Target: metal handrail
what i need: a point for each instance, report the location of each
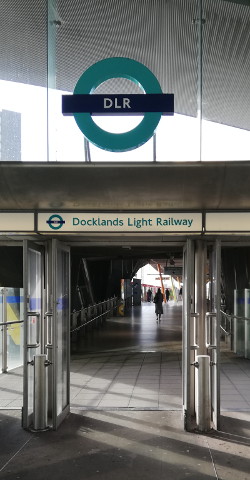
(234, 316)
(11, 323)
(92, 320)
(227, 333)
(94, 306)
(91, 306)
(229, 317)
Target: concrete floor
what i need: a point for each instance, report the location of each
(125, 419)
(108, 445)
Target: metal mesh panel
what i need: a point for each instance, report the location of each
(226, 63)
(23, 41)
(157, 33)
(162, 34)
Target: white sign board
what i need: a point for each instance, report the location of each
(228, 222)
(120, 222)
(16, 222)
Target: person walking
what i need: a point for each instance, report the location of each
(158, 304)
(167, 294)
(149, 295)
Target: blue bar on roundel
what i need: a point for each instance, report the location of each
(120, 104)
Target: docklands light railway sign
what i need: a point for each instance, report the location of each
(119, 222)
(152, 104)
(222, 223)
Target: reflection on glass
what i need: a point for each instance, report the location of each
(15, 332)
(178, 139)
(24, 124)
(239, 325)
(35, 302)
(11, 310)
(247, 323)
(62, 295)
(224, 143)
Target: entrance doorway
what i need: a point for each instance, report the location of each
(130, 362)
(201, 330)
(47, 293)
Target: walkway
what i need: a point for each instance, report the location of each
(133, 362)
(125, 421)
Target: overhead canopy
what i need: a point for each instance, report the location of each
(125, 186)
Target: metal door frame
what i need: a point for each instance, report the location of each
(188, 326)
(28, 245)
(58, 418)
(213, 343)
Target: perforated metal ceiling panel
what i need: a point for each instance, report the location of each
(23, 41)
(226, 63)
(162, 34)
(158, 33)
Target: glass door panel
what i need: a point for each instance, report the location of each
(188, 315)
(14, 309)
(239, 323)
(247, 323)
(214, 340)
(1, 329)
(61, 330)
(32, 307)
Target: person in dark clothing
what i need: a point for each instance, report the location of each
(167, 294)
(180, 294)
(149, 295)
(158, 304)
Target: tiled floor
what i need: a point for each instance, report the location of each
(134, 363)
(235, 383)
(125, 418)
(134, 380)
(11, 388)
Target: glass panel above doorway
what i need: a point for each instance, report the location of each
(198, 50)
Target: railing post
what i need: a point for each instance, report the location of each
(89, 314)
(74, 324)
(203, 405)
(99, 311)
(40, 393)
(83, 319)
(96, 315)
(93, 315)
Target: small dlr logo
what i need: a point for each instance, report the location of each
(109, 103)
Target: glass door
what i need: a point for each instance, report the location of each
(2, 320)
(189, 341)
(213, 328)
(60, 289)
(33, 281)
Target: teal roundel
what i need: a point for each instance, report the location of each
(114, 68)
